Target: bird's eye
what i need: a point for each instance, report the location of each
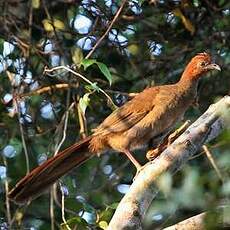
(203, 63)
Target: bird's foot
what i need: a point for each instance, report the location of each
(153, 153)
(139, 169)
(172, 137)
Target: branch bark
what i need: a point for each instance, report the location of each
(219, 218)
(133, 206)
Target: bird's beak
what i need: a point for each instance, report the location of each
(213, 66)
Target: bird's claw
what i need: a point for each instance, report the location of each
(138, 171)
(154, 153)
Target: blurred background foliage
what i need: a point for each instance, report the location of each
(149, 44)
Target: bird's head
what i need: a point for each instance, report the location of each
(199, 65)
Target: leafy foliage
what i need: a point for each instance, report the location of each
(149, 44)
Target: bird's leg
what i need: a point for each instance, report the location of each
(138, 166)
(172, 137)
(196, 102)
(133, 160)
(153, 153)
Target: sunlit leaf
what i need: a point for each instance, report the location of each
(88, 62)
(104, 69)
(36, 4)
(103, 224)
(58, 24)
(196, 3)
(18, 216)
(47, 25)
(133, 49)
(84, 102)
(77, 56)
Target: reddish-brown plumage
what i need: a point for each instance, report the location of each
(150, 115)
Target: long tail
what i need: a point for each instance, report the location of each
(40, 178)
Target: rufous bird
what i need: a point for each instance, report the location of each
(150, 115)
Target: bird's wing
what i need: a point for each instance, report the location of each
(129, 114)
(161, 117)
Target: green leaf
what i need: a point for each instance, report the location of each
(35, 4)
(77, 56)
(89, 208)
(113, 205)
(71, 12)
(140, 2)
(103, 224)
(93, 87)
(35, 100)
(105, 70)
(17, 144)
(88, 62)
(1, 45)
(75, 221)
(84, 102)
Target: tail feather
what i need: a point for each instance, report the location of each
(46, 174)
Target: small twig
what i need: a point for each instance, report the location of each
(58, 203)
(52, 217)
(82, 122)
(64, 129)
(23, 139)
(81, 76)
(6, 185)
(196, 155)
(45, 90)
(202, 220)
(107, 31)
(221, 143)
(131, 95)
(63, 209)
(212, 161)
(30, 23)
(16, 105)
(9, 75)
(46, 10)
(54, 187)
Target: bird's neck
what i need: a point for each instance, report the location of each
(190, 73)
(189, 77)
(188, 83)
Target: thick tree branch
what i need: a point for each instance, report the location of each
(132, 208)
(219, 218)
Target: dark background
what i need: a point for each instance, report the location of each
(150, 44)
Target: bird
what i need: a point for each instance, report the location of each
(150, 115)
